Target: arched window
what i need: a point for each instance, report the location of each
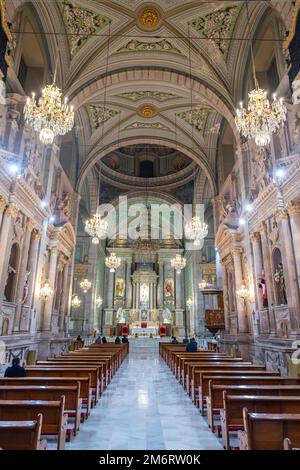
(146, 169)
(9, 292)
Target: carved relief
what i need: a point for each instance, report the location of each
(158, 46)
(261, 169)
(99, 114)
(196, 118)
(140, 95)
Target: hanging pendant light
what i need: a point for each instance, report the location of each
(50, 115)
(112, 262)
(96, 227)
(178, 263)
(196, 230)
(261, 118)
(75, 302)
(46, 291)
(85, 285)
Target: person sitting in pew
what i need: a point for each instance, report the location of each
(124, 340)
(174, 340)
(98, 340)
(185, 340)
(104, 340)
(78, 338)
(15, 370)
(192, 345)
(117, 340)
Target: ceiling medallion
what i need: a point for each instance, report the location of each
(149, 18)
(147, 111)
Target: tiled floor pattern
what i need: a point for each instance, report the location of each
(144, 408)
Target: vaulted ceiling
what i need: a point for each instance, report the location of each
(160, 72)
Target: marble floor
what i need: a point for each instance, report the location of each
(144, 408)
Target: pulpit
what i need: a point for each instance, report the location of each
(162, 330)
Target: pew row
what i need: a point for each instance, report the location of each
(22, 435)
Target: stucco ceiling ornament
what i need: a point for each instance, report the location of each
(149, 18)
(217, 26)
(196, 117)
(147, 111)
(148, 125)
(140, 95)
(100, 114)
(81, 23)
(134, 45)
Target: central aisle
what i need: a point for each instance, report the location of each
(144, 408)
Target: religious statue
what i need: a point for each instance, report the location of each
(263, 289)
(120, 287)
(25, 289)
(280, 281)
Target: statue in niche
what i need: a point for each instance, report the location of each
(26, 288)
(261, 169)
(262, 285)
(280, 281)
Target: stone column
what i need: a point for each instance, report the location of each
(289, 267)
(226, 299)
(128, 285)
(238, 272)
(22, 273)
(3, 204)
(154, 296)
(178, 289)
(268, 275)
(160, 289)
(134, 295)
(111, 289)
(32, 263)
(51, 279)
(138, 291)
(64, 300)
(150, 295)
(294, 213)
(8, 221)
(258, 263)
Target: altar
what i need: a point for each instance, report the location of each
(149, 330)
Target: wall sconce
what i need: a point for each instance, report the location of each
(46, 291)
(99, 301)
(243, 292)
(189, 303)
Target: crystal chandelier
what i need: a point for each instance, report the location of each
(46, 292)
(178, 263)
(75, 302)
(96, 227)
(99, 301)
(261, 118)
(50, 115)
(196, 230)
(85, 285)
(112, 262)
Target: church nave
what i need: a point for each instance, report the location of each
(144, 408)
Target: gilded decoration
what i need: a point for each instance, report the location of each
(149, 19)
(197, 118)
(217, 26)
(141, 46)
(148, 125)
(81, 23)
(147, 111)
(144, 94)
(99, 114)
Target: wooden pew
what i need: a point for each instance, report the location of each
(82, 364)
(69, 371)
(85, 387)
(73, 402)
(201, 389)
(288, 401)
(54, 418)
(214, 401)
(22, 435)
(184, 363)
(93, 355)
(105, 361)
(264, 431)
(176, 369)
